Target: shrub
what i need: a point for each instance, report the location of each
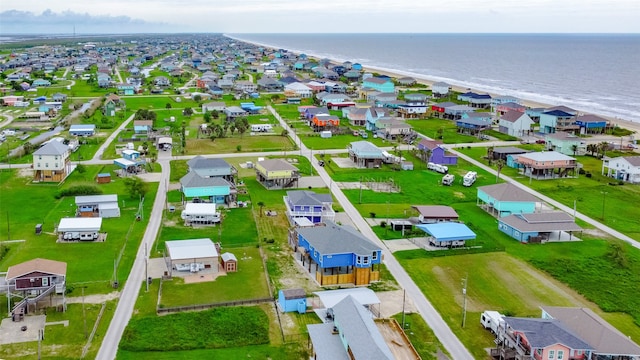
(78, 190)
(383, 224)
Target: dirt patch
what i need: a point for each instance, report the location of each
(391, 303)
(192, 279)
(25, 173)
(94, 298)
(597, 233)
(459, 195)
(169, 223)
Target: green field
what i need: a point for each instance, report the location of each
(434, 128)
(248, 282)
(123, 233)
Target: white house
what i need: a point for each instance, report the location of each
(625, 168)
(200, 214)
(440, 89)
(298, 89)
(104, 206)
(515, 123)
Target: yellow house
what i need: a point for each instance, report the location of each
(276, 174)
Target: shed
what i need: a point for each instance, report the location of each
(192, 255)
(400, 225)
(447, 234)
(103, 178)
(435, 213)
(291, 300)
(229, 262)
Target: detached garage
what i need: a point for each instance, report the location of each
(191, 255)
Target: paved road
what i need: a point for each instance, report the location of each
(107, 143)
(129, 295)
(427, 311)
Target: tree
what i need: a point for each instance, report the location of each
(135, 187)
(499, 165)
(602, 149)
(187, 111)
(260, 205)
(574, 148)
(490, 155)
(197, 98)
(183, 132)
(215, 114)
(168, 106)
(28, 148)
(207, 117)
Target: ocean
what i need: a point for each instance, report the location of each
(593, 73)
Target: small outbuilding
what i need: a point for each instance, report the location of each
(80, 228)
(229, 262)
(291, 300)
(103, 178)
(191, 255)
(447, 234)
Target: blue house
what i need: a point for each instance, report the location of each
(505, 199)
(447, 234)
(250, 107)
(557, 120)
(591, 124)
(539, 227)
(336, 255)
(307, 204)
(213, 189)
(292, 300)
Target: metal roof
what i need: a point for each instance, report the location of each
(80, 224)
(191, 249)
(96, 199)
(507, 192)
(334, 239)
(541, 222)
(448, 231)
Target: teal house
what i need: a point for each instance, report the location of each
(215, 190)
(379, 84)
(506, 199)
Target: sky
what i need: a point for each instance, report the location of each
(324, 16)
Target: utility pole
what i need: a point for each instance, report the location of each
(604, 198)
(360, 201)
(404, 295)
(464, 294)
(146, 266)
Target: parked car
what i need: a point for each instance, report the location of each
(541, 141)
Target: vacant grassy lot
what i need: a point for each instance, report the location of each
(421, 336)
(90, 263)
(246, 142)
(496, 281)
(434, 128)
(216, 328)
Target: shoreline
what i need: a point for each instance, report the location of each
(426, 80)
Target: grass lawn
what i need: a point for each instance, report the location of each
(247, 283)
(124, 233)
(246, 142)
(287, 352)
(450, 135)
(421, 336)
(224, 327)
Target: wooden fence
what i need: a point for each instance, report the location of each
(169, 310)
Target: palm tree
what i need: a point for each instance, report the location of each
(489, 154)
(260, 205)
(574, 148)
(602, 148)
(499, 165)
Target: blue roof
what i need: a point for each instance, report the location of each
(448, 231)
(558, 113)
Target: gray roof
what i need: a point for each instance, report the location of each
(334, 239)
(633, 160)
(96, 199)
(360, 332)
(305, 197)
(366, 147)
(508, 192)
(509, 150)
(200, 162)
(193, 180)
(436, 211)
(596, 331)
(512, 115)
(544, 332)
(548, 221)
(276, 165)
(326, 344)
(52, 148)
(290, 294)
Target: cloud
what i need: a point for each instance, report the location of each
(16, 21)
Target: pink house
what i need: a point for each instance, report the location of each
(540, 339)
